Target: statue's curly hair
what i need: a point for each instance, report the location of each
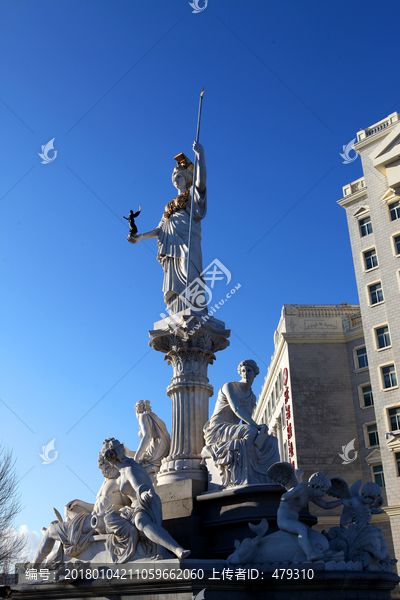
(145, 404)
(371, 490)
(108, 470)
(187, 173)
(249, 363)
(320, 480)
(113, 450)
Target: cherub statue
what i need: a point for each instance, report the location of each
(356, 537)
(132, 225)
(297, 497)
(356, 503)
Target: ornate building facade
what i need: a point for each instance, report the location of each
(317, 398)
(372, 205)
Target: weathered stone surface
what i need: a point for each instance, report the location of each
(180, 515)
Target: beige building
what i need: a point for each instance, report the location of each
(317, 398)
(313, 384)
(372, 205)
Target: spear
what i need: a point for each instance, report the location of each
(193, 189)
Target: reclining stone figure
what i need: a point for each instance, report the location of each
(126, 508)
(75, 532)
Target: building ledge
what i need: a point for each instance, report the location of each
(353, 191)
(376, 131)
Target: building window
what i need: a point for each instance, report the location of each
(397, 459)
(285, 452)
(394, 211)
(394, 418)
(365, 226)
(283, 419)
(376, 293)
(396, 241)
(370, 259)
(379, 477)
(280, 380)
(383, 337)
(367, 397)
(272, 398)
(269, 409)
(361, 358)
(389, 377)
(372, 435)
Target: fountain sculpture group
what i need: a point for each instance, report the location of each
(125, 522)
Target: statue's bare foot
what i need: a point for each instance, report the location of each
(182, 553)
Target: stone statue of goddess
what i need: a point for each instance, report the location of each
(172, 233)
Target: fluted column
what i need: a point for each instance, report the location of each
(189, 350)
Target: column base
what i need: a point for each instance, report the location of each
(180, 469)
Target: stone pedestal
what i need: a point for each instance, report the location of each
(189, 343)
(180, 515)
(226, 514)
(183, 580)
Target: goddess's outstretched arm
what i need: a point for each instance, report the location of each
(201, 176)
(144, 236)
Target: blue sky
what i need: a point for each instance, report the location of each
(117, 85)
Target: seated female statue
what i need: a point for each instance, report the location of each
(240, 447)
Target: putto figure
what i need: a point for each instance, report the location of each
(356, 537)
(297, 497)
(172, 235)
(155, 440)
(357, 506)
(132, 225)
(240, 447)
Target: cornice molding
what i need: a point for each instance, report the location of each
(392, 511)
(351, 198)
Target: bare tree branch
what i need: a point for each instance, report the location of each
(12, 543)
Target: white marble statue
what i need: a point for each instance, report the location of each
(297, 497)
(173, 231)
(76, 531)
(123, 524)
(356, 537)
(355, 545)
(277, 547)
(295, 541)
(154, 439)
(240, 447)
(145, 512)
(357, 505)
